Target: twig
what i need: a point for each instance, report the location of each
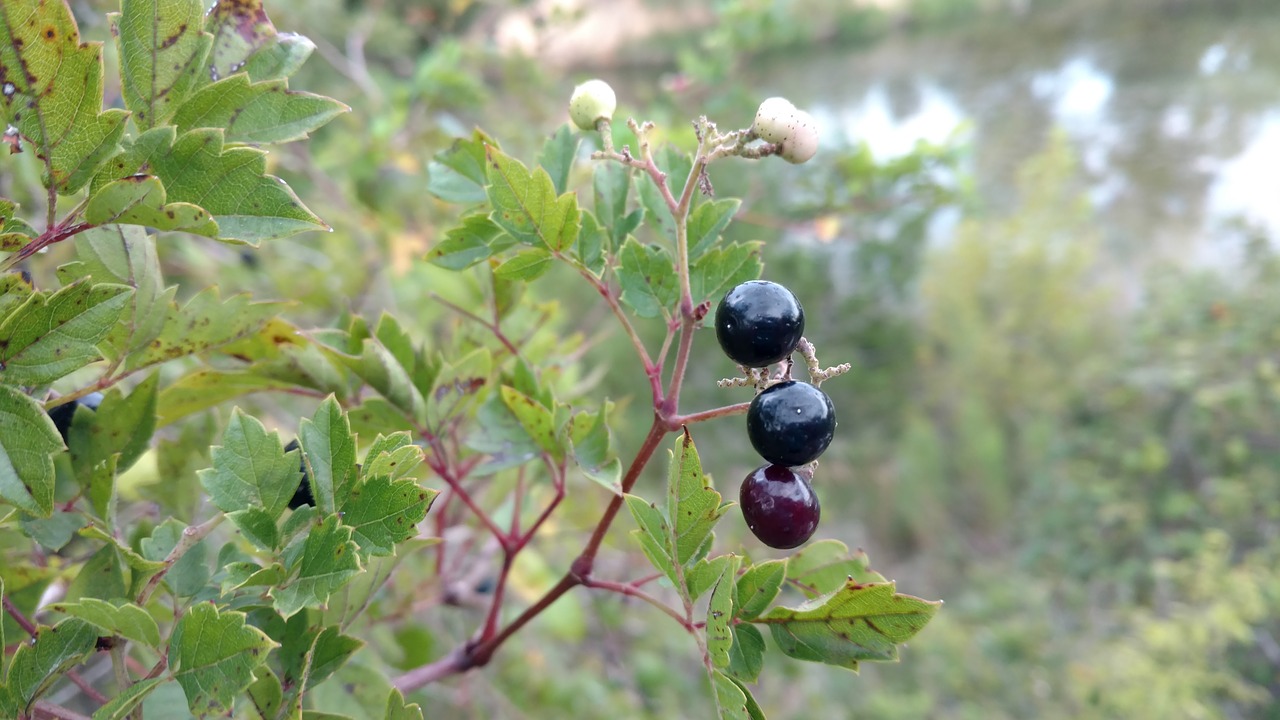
(45, 709)
(630, 590)
(191, 536)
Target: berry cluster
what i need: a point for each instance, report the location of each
(790, 423)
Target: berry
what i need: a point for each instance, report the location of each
(301, 496)
(771, 119)
(779, 506)
(801, 142)
(791, 423)
(759, 323)
(62, 414)
(591, 101)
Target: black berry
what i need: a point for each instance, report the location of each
(759, 323)
(791, 423)
(779, 506)
(301, 496)
(62, 414)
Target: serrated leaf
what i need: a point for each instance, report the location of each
(213, 654)
(190, 573)
(50, 336)
(240, 29)
(124, 255)
(525, 266)
(722, 268)
(51, 91)
(26, 447)
(458, 174)
(115, 617)
(526, 206)
(611, 184)
(535, 418)
(557, 156)
(746, 656)
(310, 655)
(330, 452)
(381, 370)
(731, 699)
(142, 200)
(394, 456)
(263, 112)
(162, 56)
(231, 183)
(385, 512)
(258, 526)
(654, 535)
(720, 614)
(758, 586)
(592, 246)
(38, 662)
(693, 506)
(15, 234)
(707, 221)
(122, 424)
(852, 624)
(474, 241)
(204, 324)
(123, 704)
(593, 449)
(648, 278)
(329, 559)
(251, 469)
(704, 574)
(279, 58)
(398, 710)
(457, 384)
(826, 565)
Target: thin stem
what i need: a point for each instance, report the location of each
(119, 666)
(652, 370)
(453, 481)
(45, 709)
(191, 536)
(726, 411)
(630, 590)
(490, 326)
(55, 234)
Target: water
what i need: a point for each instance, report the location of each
(1175, 113)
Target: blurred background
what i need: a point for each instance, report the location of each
(1043, 232)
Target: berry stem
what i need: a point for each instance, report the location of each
(705, 415)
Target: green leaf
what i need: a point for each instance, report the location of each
(310, 655)
(535, 418)
(458, 174)
(378, 367)
(251, 469)
(116, 617)
(593, 243)
(693, 506)
(758, 586)
(826, 565)
(212, 654)
(50, 336)
(611, 183)
(142, 200)
(15, 234)
(101, 577)
(229, 182)
(162, 56)
(124, 255)
(525, 266)
(329, 449)
(705, 574)
(731, 699)
(500, 435)
(121, 425)
(719, 615)
(852, 624)
(398, 710)
(261, 113)
(265, 693)
(190, 573)
(123, 704)
(26, 448)
(457, 384)
(474, 241)
(258, 526)
(753, 708)
(385, 512)
(746, 656)
(707, 221)
(557, 156)
(55, 531)
(51, 91)
(38, 663)
(329, 559)
(593, 449)
(394, 456)
(204, 389)
(204, 324)
(3, 644)
(721, 268)
(241, 29)
(15, 290)
(653, 535)
(648, 278)
(279, 58)
(526, 206)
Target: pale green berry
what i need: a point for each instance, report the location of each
(771, 119)
(801, 140)
(591, 101)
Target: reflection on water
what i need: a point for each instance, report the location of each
(1175, 114)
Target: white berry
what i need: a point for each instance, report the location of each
(771, 119)
(801, 141)
(591, 101)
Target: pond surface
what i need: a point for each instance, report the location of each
(1175, 113)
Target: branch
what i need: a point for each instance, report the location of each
(190, 537)
(630, 590)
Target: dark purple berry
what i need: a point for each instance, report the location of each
(62, 414)
(301, 496)
(759, 323)
(779, 506)
(791, 423)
